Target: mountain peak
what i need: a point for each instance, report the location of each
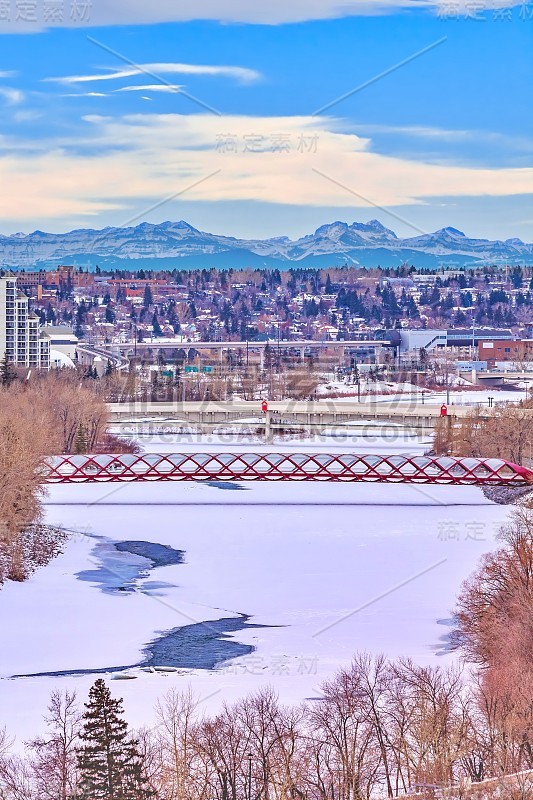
(375, 223)
(450, 232)
(373, 226)
(181, 224)
(145, 226)
(331, 228)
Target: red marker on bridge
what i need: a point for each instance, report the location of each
(444, 410)
(264, 406)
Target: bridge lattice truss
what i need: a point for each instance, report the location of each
(285, 467)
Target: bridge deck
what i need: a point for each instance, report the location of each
(286, 467)
(315, 415)
(297, 408)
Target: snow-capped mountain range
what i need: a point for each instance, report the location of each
(178, 244)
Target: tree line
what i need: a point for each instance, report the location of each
(504, 432)
(50, 414)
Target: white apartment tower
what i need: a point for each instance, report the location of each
(20, 337)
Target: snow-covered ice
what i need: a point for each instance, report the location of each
(325, 569)
(409, 394)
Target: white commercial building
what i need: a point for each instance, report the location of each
(62, 340)
(422, 339)
(20, 335)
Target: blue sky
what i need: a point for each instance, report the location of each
(419, 115)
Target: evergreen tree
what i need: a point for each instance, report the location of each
(148, 298)
(517, 278)
(7, 376)
(156, 327)
(108, 760)
(80, 443)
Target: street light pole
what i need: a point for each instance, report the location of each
(279, 351)
(249, 776)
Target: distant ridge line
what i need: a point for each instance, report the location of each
(179, 245)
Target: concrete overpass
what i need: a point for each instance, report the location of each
(309, 415)
(497, 378)
(87, 354)
(218, 348)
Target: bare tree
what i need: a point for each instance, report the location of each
(54, 756)
(495, 630)
(506, 432)
(175, 739)
(22, 452)
(347, 756)
(16, 778)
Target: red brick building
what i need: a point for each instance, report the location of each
(506, 350)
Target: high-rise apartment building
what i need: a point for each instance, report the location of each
(20, 335)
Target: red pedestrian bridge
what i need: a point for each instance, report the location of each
(286, 467)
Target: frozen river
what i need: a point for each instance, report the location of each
(267, 583)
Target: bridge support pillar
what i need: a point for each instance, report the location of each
(268, 428)
(342, 356)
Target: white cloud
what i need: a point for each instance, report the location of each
(13, 97)
(421, 131)
(510, 141)
(132, 12)
(86, 94)
(134, 161)
(153, 87)
(7, 74)
(239, 73)
(272, 13)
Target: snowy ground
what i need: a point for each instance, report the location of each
(327, 570)
(388, 392)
